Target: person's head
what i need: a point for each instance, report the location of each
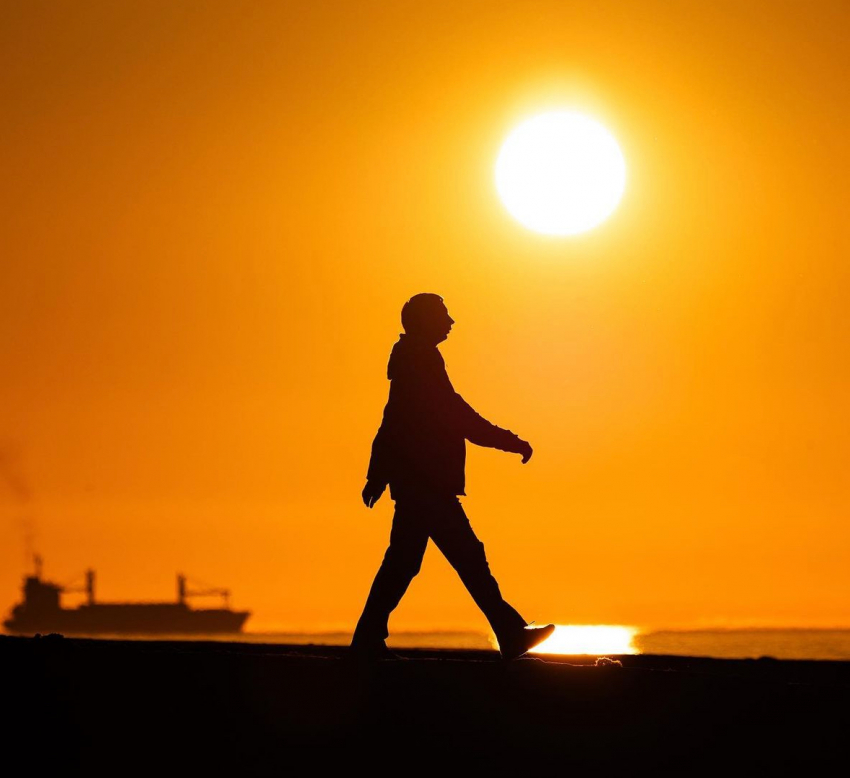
(425, 316)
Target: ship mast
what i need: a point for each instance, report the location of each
(90, 586)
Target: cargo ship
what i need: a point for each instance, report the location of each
(42, 611)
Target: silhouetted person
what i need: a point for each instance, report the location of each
(420, 453)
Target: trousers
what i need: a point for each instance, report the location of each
(443, 520)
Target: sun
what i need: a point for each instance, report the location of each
(560, 173)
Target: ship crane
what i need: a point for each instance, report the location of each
(73, 588)
(184, 592)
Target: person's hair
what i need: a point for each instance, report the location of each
(419, 309)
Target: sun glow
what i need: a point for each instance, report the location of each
(560, 173)
(589, 639)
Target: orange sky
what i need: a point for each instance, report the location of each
(212, 213)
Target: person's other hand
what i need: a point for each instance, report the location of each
(526, 451)
(372, 492)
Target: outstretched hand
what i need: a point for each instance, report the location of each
(372, 492)
(526, 451)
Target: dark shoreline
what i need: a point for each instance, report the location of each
(98, 707)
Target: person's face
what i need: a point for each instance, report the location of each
(444, 324)
(438, 325)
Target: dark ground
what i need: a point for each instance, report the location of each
(96, 707)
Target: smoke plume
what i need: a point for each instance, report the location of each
(19, 496)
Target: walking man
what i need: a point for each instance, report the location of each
(420, 453)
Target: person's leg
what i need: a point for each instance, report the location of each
(408, 540)
(453, 535)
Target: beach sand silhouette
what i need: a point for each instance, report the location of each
(162, 708)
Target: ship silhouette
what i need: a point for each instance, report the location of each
(42, 611)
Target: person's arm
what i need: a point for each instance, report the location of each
(377, 477)
(478, 430)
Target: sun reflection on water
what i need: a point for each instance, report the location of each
(590, 639)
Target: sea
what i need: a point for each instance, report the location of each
(810, 644)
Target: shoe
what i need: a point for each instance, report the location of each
(371, 652)
(522, 642)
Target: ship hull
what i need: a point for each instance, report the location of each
(126, 619)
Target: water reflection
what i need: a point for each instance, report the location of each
(593, 639)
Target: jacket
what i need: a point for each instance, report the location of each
(421, 443)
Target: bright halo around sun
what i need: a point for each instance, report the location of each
(560, 173)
